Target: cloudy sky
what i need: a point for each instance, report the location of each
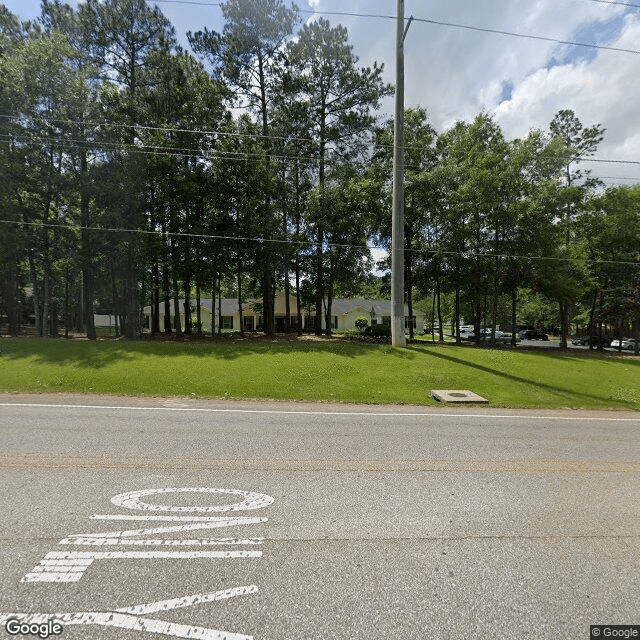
(455, 72)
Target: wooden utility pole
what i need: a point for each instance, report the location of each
(397, 235)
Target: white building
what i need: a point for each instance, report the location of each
(344, 312)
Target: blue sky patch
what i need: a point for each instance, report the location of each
(507, 91)
(603, 33)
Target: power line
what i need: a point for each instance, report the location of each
(615, 2)
(140, 127)
(165, 151)
(231, 156)
(439, 23)
(615, 178)
(610, 161)
(309, 243)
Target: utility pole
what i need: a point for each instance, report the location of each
(397, 234)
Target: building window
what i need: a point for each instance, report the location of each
(407, 324)
(227, 322)
(335, 322)
(248, 322)
(386, 320)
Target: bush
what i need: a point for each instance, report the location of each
(361, 323)
(378, 330)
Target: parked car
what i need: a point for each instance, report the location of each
(500, 337)
(627, 343)
(533, 334)
(596, 341)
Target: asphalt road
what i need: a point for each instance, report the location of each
(335, 521)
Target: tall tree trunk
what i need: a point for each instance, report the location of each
(319, 282)
(494, 303)
(155, 298)
(408, 269)
(36, 294)
(409, 283)
(214, 295)
(433, 314)
(329, 296)
(241, 320)
(198, 307)
(219, 304)
(268, 279)
(166, 286)
(88, 293)
(514, 304)
(592, 311)
(457, 312)
(600, 316)
(66, 303)
(440, 327)
(188, 328)
(12, 288)
(177, 323)
(46, 269)
(298, 215)
(320, 247)
(564, 319)
(287, 302)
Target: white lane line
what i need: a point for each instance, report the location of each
(129, 618)
(320, 413)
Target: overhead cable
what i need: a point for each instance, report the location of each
(310, 243)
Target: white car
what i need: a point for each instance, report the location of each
(627, 343)
(500, 337)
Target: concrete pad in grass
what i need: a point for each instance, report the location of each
(448, 395)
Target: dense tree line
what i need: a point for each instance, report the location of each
(135, 173)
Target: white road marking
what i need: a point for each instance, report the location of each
(322, 413)
(129, 618)
(131, 500)
(161, 542)
(213, 523)
(118, 516)
(189, 601)
(60, 566)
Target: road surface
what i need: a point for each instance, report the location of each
(150, 518)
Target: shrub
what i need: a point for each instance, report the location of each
(361, 323)
(379, 330)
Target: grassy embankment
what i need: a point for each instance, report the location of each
(319, 371)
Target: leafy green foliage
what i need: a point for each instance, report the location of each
(361, 323)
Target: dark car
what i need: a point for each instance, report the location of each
(533, 334)
(596, 341)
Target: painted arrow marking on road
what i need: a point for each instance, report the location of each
(131, 617)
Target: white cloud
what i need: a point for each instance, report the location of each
(456, 73)
(603, 91)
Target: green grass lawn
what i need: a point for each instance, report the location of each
(324, 371)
